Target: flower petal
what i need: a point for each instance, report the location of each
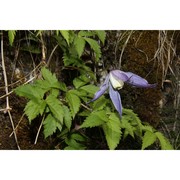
(138, 81)
(119, 75)
(116, 99)
(102, 90)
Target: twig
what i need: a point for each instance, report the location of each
(125, 44)
(37, 135)
(17, 124)
(48, 61)
(7, 109)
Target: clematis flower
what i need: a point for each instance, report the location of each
(115, 81)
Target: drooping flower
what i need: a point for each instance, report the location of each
(115, 81)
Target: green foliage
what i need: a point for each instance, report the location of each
(65, 35)
(63, 109)
(73, 102)
(75, 142)
(50, 125)
(79, 44)
(148, 139)
(11, 35)
(101, 34)
(43, 101)
(95, 46)
(95, 119)
(165, 145)
(112, 131)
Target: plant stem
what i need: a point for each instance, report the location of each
(7, 109)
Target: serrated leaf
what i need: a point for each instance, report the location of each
(32, 110)
(11, 35)
(55, 107)
(78, 137)
(101, 35)
(50, 78)
(148, 139)
(62, 86)
(112, 131)
(50, 125)
(73, 144)
(79, 44)
(67, 117)
(77, 82)
(65, 34)
(165, 144)
(95, 46)
(99, 103)
(97, 118)
(147, 128)
(90, 88)
(30, 91)
(73, 101)
(80, 81)
(86, 33)
(42, 107)
(128, 127)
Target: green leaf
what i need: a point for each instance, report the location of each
(165, 144)
(92, 89)
(50, 125)
(32, 110)
(86, 33)
(62, 86)
(30, 91)
(78, 137)
(95, 119)
(101, 35)
(74, 145)
(55, 107)
(148, 139)
(95, 46)
(80, 81)
(112, 131)
(50, 78)
(79, 44)
(100, 103)
(11, 35)
(73, 101)
(67, 117)
(42, 107)
(65, 34)
(128, 127)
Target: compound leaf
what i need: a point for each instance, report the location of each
(95, 119)
(50, 125)
(165, 144)
(112, 131)
(67, 117)
(148, 139)
(73, 101)
(79, 44)
(65, 34)
(32, 110)
(55, 107)
(101, 35)
(95, 46)
(31, 92)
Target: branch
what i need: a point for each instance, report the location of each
(7, 109)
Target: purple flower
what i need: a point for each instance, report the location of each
(115, 81)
